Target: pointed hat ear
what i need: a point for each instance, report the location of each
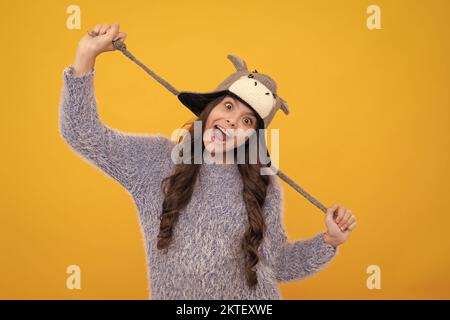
(238, 63)
(283, 105)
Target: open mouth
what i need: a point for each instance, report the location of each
(220, 134)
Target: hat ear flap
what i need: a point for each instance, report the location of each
(238, 63)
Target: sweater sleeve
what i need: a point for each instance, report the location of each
(297, 259)
(122, 156)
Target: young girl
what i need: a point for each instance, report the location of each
(211, 230)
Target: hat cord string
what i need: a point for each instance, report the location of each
(297, 188)
(119, 45)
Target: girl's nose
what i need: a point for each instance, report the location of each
(230, 123)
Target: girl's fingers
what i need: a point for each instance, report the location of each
(352, 226)
(104, 28)
(122, 36)
(349, 222)
(113, 32)
(332, 208)
(340, 214)
(344, 220)
(96, 30)
(330, 213)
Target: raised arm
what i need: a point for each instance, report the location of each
(292, 260)
(123, 156)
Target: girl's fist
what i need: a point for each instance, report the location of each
(339, 222)
(100, 39)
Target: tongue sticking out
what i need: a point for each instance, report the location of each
(219, 135)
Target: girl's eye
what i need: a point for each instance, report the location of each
(248, 121)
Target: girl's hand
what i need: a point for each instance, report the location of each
(339, 222)
(99, 40)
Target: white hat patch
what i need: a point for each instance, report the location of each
(255, 94)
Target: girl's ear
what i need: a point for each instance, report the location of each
(238, 63)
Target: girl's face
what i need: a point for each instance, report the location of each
(229, 125)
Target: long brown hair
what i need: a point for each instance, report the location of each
(178, 189)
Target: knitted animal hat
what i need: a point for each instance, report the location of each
(257, 90)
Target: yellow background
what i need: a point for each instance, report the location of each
(368, 129)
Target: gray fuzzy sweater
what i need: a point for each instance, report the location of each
(204, 260)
